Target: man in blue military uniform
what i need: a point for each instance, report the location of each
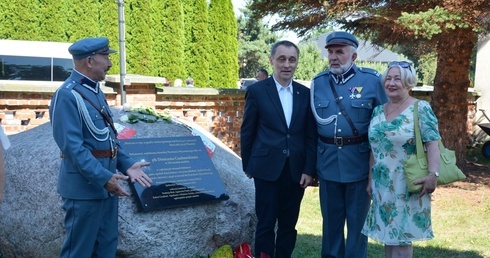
(342, 101)
(84, 132)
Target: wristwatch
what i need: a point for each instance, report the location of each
(435, 173)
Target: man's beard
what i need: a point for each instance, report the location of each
(342, 69)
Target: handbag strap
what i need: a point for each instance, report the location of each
(421, 155)
(342, 109)
(418, 138)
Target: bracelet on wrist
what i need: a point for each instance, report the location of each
(435, 173)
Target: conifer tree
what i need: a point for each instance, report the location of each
(138, 37)
(157, 33)
(21, 20)
(6, 20)
(254, 41)
(310, 62)
(197, 45)
(109, 28)
(173, 41)
(81, 21)
(224, 51)
(52, 20)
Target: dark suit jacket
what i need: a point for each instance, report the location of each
(266, 139)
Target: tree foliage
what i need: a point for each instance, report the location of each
(255, 40)
(156, 44)
(427, 68)
(109, 27)
(5, 20)
(138, 37)
(196, 43)
(21, 23)
(157, 21)
(310, 62)
(52, 25)
(173, 50)
(449, 28)
(223, 68)
(81, 22)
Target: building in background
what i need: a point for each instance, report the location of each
(34, 60)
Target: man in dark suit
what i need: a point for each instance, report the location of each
(278, 148)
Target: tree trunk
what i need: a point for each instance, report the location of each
(450, 96)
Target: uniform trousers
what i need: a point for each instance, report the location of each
(91, 228)
(341, 203)
(277, 201)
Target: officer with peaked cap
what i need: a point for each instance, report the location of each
(90, 154)
(343, 99)
(90, 46)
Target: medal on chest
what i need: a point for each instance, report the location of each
(355, 92)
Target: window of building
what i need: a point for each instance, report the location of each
(34, 68)
(62, 68)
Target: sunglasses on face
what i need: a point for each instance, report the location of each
(403, 64)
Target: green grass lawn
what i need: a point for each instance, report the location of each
(461, 224)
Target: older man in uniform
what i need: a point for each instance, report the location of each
(90, 154)
(342, 101)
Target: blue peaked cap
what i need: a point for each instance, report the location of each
(90, 46)
(341, 38)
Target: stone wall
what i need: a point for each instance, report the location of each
(25, 105)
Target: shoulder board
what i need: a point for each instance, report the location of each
(321, 74)
(369, 70)
(69, 85)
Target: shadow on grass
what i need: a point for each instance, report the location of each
(309, 246)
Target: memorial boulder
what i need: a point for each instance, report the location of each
(31, 217)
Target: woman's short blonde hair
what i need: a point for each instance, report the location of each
(407, 72)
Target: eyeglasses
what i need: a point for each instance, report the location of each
(403, 64)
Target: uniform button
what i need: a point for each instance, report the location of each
(284, 151)
(339, 130)
(340, 147)
(341, 97)
(362, 105)
(288, 136)
(340, 113)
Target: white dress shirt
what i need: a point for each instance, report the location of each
(286, 97)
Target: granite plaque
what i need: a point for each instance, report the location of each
(181, 170)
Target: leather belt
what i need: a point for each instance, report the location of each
(340, 141)
(111, 153)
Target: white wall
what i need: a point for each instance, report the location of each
(482, 80)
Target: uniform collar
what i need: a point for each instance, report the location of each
(343, 78)
(87, 82)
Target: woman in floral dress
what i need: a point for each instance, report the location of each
(396, 217)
